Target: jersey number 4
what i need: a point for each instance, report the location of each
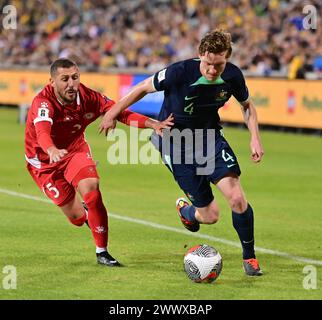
(226, 156)
(189, 108)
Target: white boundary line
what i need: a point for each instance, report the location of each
(190, 234)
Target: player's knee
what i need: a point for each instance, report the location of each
(88, 185)
(92, 185)
(238, 202)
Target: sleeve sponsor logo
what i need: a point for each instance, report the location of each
(161, 75)
(43, 111)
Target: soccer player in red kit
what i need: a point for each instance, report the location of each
(58, 156)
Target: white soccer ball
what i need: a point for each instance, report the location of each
(202, 263)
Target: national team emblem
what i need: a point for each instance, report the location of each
(222, 95)
(89, 115)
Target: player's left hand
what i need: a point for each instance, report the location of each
(106, 124)
(165, 124)
(257, 150)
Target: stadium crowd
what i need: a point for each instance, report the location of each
(268, 35)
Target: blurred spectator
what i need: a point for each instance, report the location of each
(317, 64)
(268, 35)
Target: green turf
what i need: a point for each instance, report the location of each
(55, 260)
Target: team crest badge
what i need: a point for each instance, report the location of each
(222, 95)
(89, 115)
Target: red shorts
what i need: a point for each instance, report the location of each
(58, 182)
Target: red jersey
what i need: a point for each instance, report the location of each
(68, 122)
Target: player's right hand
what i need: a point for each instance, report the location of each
(106, 124)
(55, 154)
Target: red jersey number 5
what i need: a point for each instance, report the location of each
(52, 189)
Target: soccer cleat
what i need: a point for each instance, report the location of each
(106, 259)
(251, 267)
(192, 226)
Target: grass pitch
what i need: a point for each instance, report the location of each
(55, 260)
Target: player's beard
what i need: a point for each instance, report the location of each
(69, 96)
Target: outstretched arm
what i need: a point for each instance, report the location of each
(140, 121)
(250, 117)
(136, 94)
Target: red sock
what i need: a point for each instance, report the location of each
(79, 221)
(97, 217)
